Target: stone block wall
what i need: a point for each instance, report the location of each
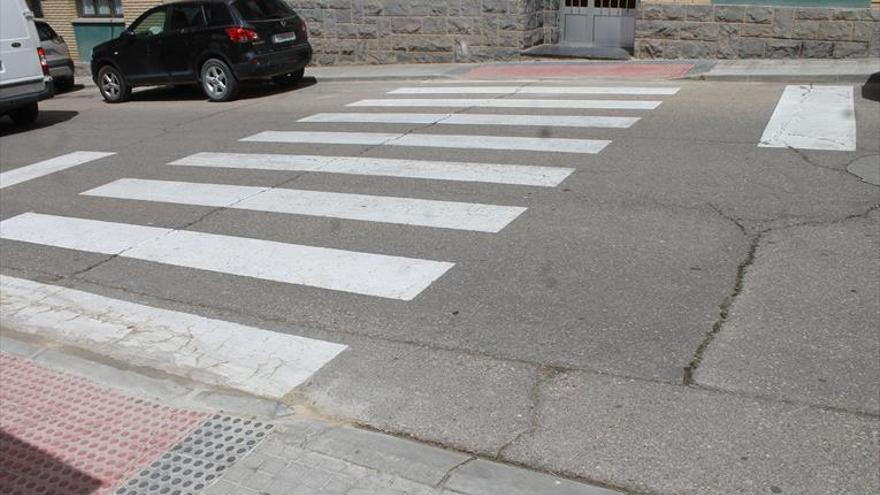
(735, 31)
(403, 31)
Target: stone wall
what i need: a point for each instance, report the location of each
(728, 32)
(402, 31)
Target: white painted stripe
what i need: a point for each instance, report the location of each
(216, 352)
(26, 173)
(509, 103)
(475, 119)
(347, 271)
(405, 211)
(477, 81)
(435, 141)
(493, 173)
(813, 118)
(536, 90)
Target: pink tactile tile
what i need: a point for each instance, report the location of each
(62, 434)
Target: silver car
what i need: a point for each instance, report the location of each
(58, 56)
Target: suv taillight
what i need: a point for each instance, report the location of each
(43, 62)
(241, 35)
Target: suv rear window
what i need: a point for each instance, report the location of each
(217, 14)
(261, 10)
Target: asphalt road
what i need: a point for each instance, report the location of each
(685, 313)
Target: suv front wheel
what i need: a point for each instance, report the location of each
(218, 81)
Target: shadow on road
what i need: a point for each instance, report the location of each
(871, 89)
(192, 92)
(25, 468)
(72, 89)
(47, 118)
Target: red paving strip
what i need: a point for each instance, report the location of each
(61, 434)
(632, 70)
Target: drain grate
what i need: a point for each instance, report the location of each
(200, 458)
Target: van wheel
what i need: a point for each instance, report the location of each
(289, 79)
(114, 88)
(218, 81)
(25, 115)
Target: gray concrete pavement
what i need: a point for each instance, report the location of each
(805, 326)
(598, 296)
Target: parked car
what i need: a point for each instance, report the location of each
(24, 71)
(58, 56)
(214, 43)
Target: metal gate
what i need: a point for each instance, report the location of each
(606, 23)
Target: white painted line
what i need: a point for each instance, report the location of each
(537, 90)
(477, 81)
(26, 173)
(493, 173)
(509, 103)
(435, 141)
(405, 211)
(347, 271)
(220, 353)
(813, 118)
(474, 119)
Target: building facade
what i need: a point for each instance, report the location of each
(404, 31)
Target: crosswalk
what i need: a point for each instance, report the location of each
(813, 118)
(378, 275)
(268, 363)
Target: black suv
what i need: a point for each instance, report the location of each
(215, 43)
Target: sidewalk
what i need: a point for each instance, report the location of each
(819, 71)
(73, 425)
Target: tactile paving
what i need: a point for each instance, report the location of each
(63, 434)
(200, 458)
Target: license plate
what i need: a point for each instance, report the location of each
(282, 37)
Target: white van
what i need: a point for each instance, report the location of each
(24, 71)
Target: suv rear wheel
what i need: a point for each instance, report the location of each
(114, 88)
(289, 79)
(218, 81)
(25, 115)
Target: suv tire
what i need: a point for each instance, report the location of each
(218, 81)
(25, 115)
(112, 84)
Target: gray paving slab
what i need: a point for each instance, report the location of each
(491, 478)
(805, 326)
(676, 440)
(410, 460)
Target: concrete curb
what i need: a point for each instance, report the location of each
(782, 78)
